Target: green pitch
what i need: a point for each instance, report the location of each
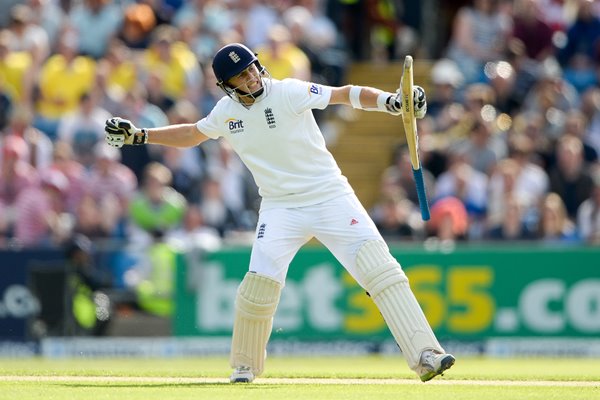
(312, 378)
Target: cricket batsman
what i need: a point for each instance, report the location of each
(269, 123)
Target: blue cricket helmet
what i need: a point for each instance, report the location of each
(232, 59)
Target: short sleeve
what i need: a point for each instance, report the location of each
(209, 125)
(306, 95)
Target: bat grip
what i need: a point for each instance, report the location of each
(420, 184)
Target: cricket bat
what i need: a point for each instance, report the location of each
(410, 130)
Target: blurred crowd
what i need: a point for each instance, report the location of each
(510, 143)
(511, 139)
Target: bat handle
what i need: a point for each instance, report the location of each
(420, 184)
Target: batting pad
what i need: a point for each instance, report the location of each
(255, 305)
(388, 286)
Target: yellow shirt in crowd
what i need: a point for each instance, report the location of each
(62, 84)
(12, 73)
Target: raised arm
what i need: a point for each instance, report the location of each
(373, 99)
(120, 131)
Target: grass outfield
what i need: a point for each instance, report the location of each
(294, 378)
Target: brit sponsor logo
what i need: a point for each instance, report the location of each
(316, 89)
(235, 126)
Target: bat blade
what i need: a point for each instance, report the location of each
(410, 130)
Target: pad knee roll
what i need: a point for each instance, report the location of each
(387, 284)
(255, 305)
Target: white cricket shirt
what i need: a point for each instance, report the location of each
(279, 141)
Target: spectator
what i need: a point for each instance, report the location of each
(502, 78)
(63, 160)
(387, 30)
(16, 173)
(529, 133)
(443, 101)
(512, 225)
(570, 178)
(41, 219)
(238, 189)
(156, 207)
(396, 217)
(136, 106)
(581, 49)
(256, 17)
(554, 13)
(532, 181)
(90, 306)
(16, 74)
(84, 128)
(590, 106)
(200, 23)
(484, 146)
(214, 210)
(449, 220)
(50, 16)
(97, 221)
(477, 98)
(95, 22)
(576, 126)
(468, 185)
(502, 189)
(400, 175)
(176, 63)
(532, 30)
(316, 35)
(282, 57)
(117, 74)
(112, 185)
(27, 36)
(188, 165)
(551, 96)
(588, 214)
(137, 26)
(16, 176)
(153, 278)
(516, 75)
(194, 234)
(555, 225)
(210, 92)
(40, 146)
(156, 93)
(64, 78)
(479, 35)
(433, 152)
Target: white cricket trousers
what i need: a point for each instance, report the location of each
(341, 224)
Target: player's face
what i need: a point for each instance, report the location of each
(247, 81)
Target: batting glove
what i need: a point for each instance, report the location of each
(394, 102)
(121, 131)
(419, 101)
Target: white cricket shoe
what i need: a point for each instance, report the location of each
(434, 364)
(242, 375)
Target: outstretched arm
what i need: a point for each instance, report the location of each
(373, 99)
(120, 131)
(368, 96)
(183, 135)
